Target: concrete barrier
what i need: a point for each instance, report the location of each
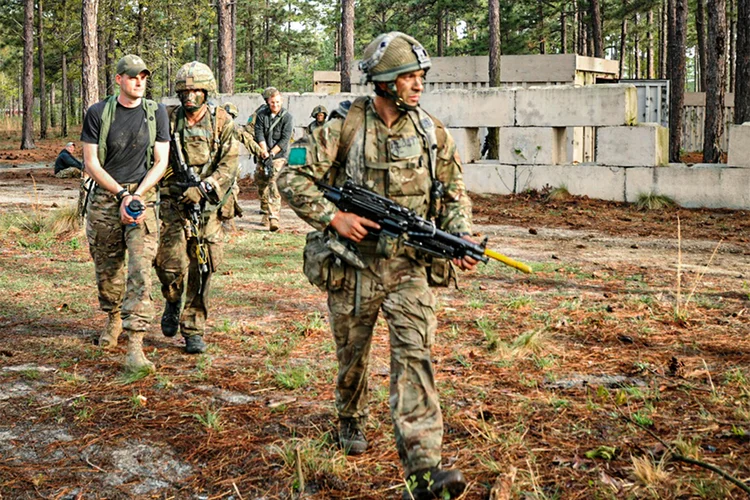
(702, 185)
(568, 106)
(472, 108)
(607, 182)
(490, 177)
(532, 146)
(645, 145)
(739, 145)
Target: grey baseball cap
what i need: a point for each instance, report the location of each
(131, 65)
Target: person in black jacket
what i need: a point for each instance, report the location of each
(66, 164)
(273, 132)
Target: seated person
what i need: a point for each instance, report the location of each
(66, 165)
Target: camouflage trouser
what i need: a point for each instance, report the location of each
(177, 264)
(108, 241)
(399, 287)
(69, 173)
(270, 199)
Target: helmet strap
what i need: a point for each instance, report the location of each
(391, 93)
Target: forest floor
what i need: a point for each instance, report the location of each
(624, 356)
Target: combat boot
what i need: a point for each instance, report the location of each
(273, 224)
(170, 318)
(194, 344)
(351, 438)
(264, 220)
(433, 482)
(135, 360)
(108, 338)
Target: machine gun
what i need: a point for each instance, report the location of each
(396, 220)
(187, 176)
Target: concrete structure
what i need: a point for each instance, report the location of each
(326, 82)
(472, 72)
(536, 125)
(739, 145)
(644, 145)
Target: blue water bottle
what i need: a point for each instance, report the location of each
(134, 209)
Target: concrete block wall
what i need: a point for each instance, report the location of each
(644, 145)
(541, 134)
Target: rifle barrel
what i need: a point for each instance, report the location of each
(507, 261)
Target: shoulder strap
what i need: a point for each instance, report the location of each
(150, 107)
(426, 127)
(353, 121)
(108, 116)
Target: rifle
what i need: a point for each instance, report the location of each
(396, 220)
(187, 175)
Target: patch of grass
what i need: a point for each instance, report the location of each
(533, 342)
(517, 301)
(164, 382)
(690, 449)
(653, 201)
(71, 378)
(642, 418)
(202, 365)
(559, 193)
(31, 373)
(130, 377)
(314, 322)
(649, 473)
(209, 419)
(294, 377)
(316, 455)
(736, 377)
(491, 337)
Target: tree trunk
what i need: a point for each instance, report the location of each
(493, 134)
(42, 84)
(226, 64)
(101, 60)
(636, 50)
(64, 95)
(347, 44)
(197, 45)
(700, 31)
(650, 48)
(89, 64)
(210, 54)
(27, 131)
(440, 33)
(234, 41)
(732, 48)
(742, 87)
(663, 39)
(677, 25)
(623, 40)
(716, 51)
(563, 32)
(52, 114)
(540, 23)
(109, 65)
(596, 28)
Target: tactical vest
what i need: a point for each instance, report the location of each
(407, 158)
(201, 147)
(108, 117)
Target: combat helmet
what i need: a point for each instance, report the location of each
(231, 109)
(318, 109)
(195, 76)
(392, 54)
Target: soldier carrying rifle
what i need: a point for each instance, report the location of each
(390, 146)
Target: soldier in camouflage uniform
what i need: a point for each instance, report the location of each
(126, 144)
(390, 151)
(319, 113)
(209, 146)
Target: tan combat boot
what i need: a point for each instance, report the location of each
(135, 360)
(273, 224)
(108, 338)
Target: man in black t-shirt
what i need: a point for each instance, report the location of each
(125, 151)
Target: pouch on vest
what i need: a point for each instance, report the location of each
(316, 259)
(230, 208)
(441, 273)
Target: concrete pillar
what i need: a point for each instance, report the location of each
(645, 145)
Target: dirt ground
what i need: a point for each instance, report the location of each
(568, 383)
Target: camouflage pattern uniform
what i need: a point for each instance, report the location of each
(108, 241)
(314, 115)
(176, 262)
(394, 163)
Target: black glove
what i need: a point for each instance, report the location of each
(268, 165)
